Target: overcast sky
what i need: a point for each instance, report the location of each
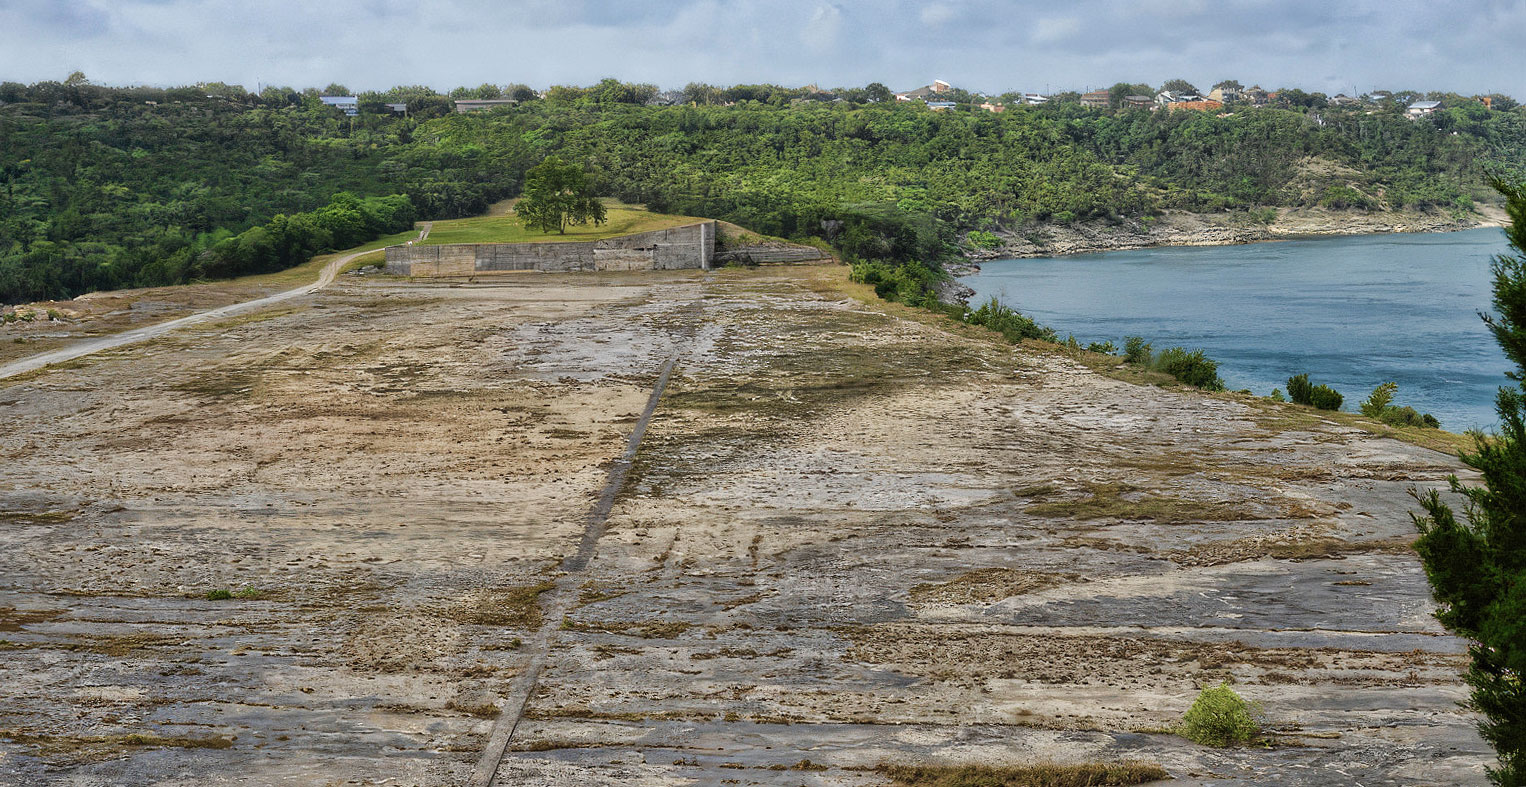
(1467, 46)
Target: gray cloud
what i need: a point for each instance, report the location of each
(1467, 46)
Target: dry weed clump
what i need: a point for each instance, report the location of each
(515, 607)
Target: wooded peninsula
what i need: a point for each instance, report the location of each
(105, 187)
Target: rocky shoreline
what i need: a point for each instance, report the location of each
(1221, 229)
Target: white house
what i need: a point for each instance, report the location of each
(1420, 109)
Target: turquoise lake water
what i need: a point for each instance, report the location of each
(1353, 312)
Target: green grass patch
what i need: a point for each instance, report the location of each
(621, 219)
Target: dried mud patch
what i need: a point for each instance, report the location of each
(974, 656)
(1092, 774)
(1285, 546)
(12, 619)
(986, 585)
(79, 749)
(402, 643)
(1119, 500)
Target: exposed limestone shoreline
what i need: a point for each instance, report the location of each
(1217, 229)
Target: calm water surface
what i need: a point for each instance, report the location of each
(1353, 312)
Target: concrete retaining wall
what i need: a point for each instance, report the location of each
(688, 247)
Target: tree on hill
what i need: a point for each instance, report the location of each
(556, 195)
(877, 92)
(1179, 86)
(1233, 84)
(1117, 93)
(1477, 570)
(702, 93)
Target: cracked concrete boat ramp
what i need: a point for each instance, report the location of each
(329, 544)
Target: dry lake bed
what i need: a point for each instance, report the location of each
(390, 533)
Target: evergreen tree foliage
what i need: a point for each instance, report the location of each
(1477, 569)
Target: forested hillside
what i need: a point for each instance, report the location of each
(104, 188)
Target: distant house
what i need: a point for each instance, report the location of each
(1034, 99)
(398, 109)
(939, 106)
(667, 98)
(922, 93)
(1166, 98)
(479, 104)
(1097, 99)
(1139, 102)
(1420, 109)
(1342, 100)
(996, 107)
(350, 105)
(1255, 96)
(1224, 95)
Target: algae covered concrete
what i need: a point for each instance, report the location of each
(853, 534)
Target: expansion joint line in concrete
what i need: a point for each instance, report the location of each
(566, 592)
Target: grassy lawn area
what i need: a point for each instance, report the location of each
(502, 227)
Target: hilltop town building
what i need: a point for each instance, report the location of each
(479, 104)
(1097, 99)
(1420, 109)
(350, 105)
(922, 93)
(1224, 95)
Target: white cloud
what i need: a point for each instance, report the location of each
(1314, 44)
(1051, 29)
(825, 26)
(936, 15)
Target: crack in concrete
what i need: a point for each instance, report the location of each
(566, 592)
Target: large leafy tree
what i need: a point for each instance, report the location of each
(1477, 569)
(558, 194)
(1179, 86)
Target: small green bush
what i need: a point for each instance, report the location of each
(1323, 397)
(1106, 348)
(221, 594)
(1220, 717)
(1192, 368)
(1277, 396)
(1379, 405)
(982, 239)
(1009, 322)
(1136, 351)
(1299, 389)
(1380, 399)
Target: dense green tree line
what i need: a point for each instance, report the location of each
(107, 187)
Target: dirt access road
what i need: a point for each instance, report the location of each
(86, 347)
(852, 535)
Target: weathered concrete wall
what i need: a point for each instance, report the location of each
(677, 248)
